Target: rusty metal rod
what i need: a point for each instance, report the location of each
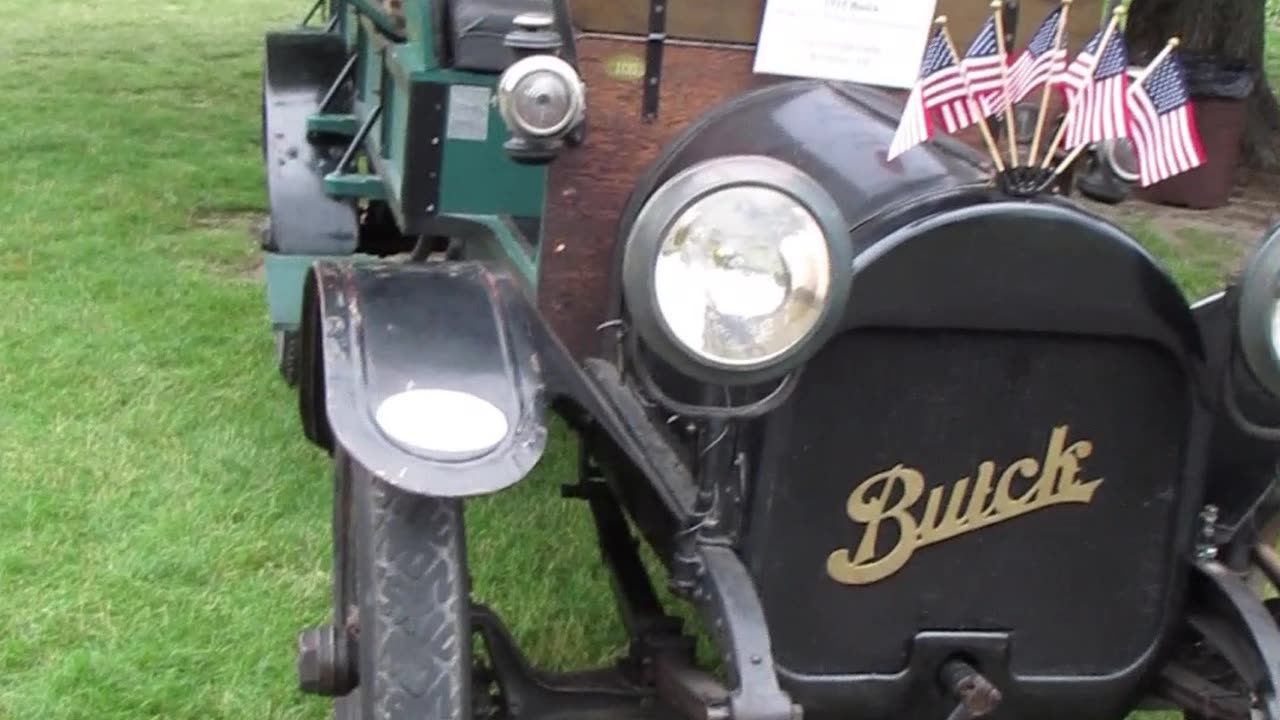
(1268, 561)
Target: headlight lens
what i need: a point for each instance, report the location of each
(541, 96)
(735, 267)
(743, 275)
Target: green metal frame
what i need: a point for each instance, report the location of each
(479, 182)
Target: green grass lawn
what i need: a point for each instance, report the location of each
(1273, 43)
(164, 528)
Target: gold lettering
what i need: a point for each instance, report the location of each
(1062, 467)
(1005, 503)
(886, 500)
(981, 489)
(870, 510)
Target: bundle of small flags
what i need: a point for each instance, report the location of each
(1153, 111)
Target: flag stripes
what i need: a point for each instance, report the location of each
(984, 68)
(1100, 109)
(1040, 60)
(1163, 128)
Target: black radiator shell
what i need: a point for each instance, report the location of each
(966, 306)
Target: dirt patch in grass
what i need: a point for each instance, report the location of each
(1236, 227)
(249, 270)
(249, 224)
(252, 221)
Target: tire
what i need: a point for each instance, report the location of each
(345, 599)
(412, 599)
(287, 346)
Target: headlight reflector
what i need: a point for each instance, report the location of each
(742, 275)
(733, 266)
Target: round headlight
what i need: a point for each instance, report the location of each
(732, 268)
(1259, 321)
(541, 96)
(1121, 158)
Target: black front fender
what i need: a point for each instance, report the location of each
(379, 331)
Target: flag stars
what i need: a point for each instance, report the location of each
(1155, 112)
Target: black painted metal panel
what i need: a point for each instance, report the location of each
(1079, 586)
(424, 156)
(300, 66)
(389, 328)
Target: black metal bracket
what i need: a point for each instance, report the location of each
(1010, 21)
(661, 655)
(643, 618)
(779, 394)
(727, 598)
(381, 22)
(342, 78)
(1231, 616)
(532, 695)
(349, 156)
(653, 58)
(315, 8)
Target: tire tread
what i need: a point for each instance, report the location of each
(421, 634)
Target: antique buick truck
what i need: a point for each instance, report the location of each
(909, 443)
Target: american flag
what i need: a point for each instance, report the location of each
(914, 127)
(1039, 61)
(1100, 109)
(1076, 75)
(940, 84)
(1163, 129)
(986, 69)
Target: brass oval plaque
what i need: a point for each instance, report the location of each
(624, 67)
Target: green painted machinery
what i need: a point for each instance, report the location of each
(382, 135)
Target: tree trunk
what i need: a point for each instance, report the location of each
(1233, 31)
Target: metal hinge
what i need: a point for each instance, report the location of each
(653, 58)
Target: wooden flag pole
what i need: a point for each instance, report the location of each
(982, 119)
(1137, 81)
(1102, 48)
(1048, 85)
(997, 9)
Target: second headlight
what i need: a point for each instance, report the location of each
(733, 267)
(1259, 319)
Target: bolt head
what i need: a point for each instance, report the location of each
(310, 661)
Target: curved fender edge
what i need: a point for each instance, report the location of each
(1220, 593)
(388, 332)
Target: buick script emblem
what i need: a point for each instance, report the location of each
(892, 499)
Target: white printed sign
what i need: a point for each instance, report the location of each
(874, 42)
